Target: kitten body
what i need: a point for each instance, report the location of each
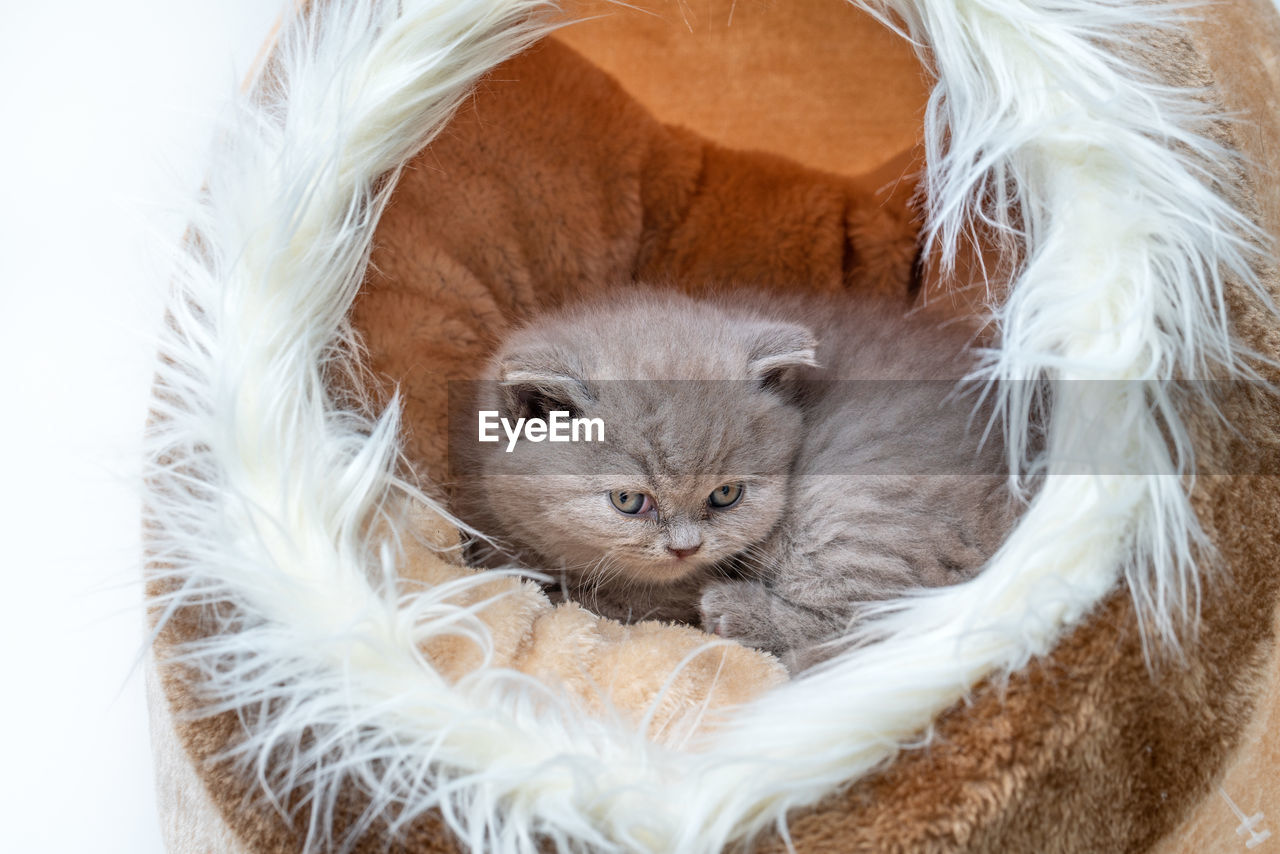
(894, 487)
(862, 471)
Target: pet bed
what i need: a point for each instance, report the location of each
(407, 179)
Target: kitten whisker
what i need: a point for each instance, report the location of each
(758, 564)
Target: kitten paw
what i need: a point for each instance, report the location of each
(739, 611)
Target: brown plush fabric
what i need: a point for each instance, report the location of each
(1247, 79)
(554, 182)
(816, 81)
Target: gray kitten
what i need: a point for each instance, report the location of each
(738, 485)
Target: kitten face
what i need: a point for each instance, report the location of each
(573, 526)
(698, 444)
(573, 521)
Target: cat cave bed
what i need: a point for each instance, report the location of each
(405, 180)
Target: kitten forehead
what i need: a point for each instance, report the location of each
(701, 428)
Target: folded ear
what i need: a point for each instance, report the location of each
(777, 349)
(536, 382)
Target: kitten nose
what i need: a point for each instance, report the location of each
(683, 553)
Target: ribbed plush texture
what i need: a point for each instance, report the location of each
(273, 492)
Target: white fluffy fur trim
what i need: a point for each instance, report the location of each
(263, 484)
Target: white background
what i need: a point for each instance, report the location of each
(106, 111)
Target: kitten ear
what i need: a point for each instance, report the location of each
(536, 383)
(777, 349)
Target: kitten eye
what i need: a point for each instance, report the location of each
(726, 496)
(630, 502)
